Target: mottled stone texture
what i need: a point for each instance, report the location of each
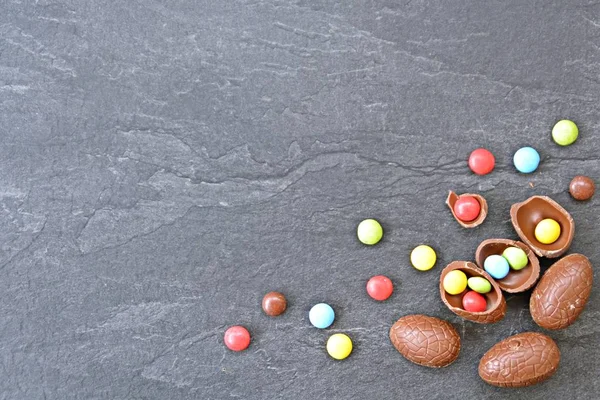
(164, 164)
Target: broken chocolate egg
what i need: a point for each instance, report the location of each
(520, 360)
(562, 293)
(526, 215)
(517, 280)
(453, 198)
(496, 305)
(424, 340)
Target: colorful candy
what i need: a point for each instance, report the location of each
(547, 231)
(321, 315)
(496, 266)
(237, 338)
(380, 287)
(516, 257)
(455, 282)
(369, 232)
(526, 160)
(423, 257)
(467, 208)
(481, 161)
(479, 284)
(565, 132)
(474, 302)
(274, 304)
(339, 346)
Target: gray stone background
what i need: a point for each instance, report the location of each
(163, 164)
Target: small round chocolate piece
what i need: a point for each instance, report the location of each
(582, 187)
(274, 304)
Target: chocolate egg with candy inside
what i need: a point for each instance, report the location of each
(560, 297)
(496, 305)
(526, 216)
(470, 221)
(424, 340)
(520, 360)
(517, 280)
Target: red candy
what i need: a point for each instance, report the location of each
(237, 338)
(467, 208)
(380, 287)
(474, 302)
(481, 161)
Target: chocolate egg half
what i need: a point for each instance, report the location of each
(515, 281)
(526, 215)
(520, 360)
(560, 297)
(453, 198)
(496, 305)
(424, 340)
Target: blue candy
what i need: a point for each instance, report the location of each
(526, 159)
(321, 315)
(496, 266)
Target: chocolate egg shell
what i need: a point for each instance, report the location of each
(496, 305)
(562, 293)
(520, 360)
(526, 215)
(515, 281)
(453, 198)
(424, 340)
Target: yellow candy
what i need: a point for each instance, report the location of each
(339, 346)
(423, 257)
(455, 282)
(547, 231)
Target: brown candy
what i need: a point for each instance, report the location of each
(453, 197)
(515, 281)
(582, 187)
(496, 305)
(424, 340)
(526, 215)
(562, 293)
(274, 304)
(520, 360)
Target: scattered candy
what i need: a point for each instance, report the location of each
(582, 187)
(321, 315)
(423, 257)
(481, 161)
(339, 346)
(237, 338)
(547, 231)
(565, 132)
(455, 282)
(274, 304)
(380, 287)
(479, 284)
(474, 302)
(526, 160)
(369, 231)
(496, 266)
(467, 208)
(516, 257)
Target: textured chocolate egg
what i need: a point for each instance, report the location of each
(520, 360)
(424, 340)
(562, 293)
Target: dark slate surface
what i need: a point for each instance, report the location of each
(164, 164)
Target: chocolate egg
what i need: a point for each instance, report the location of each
(562, 293)
(496, 305)
(515, 281)
(453, 198)
(526, 215)
(424, 340)
(520, 360)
